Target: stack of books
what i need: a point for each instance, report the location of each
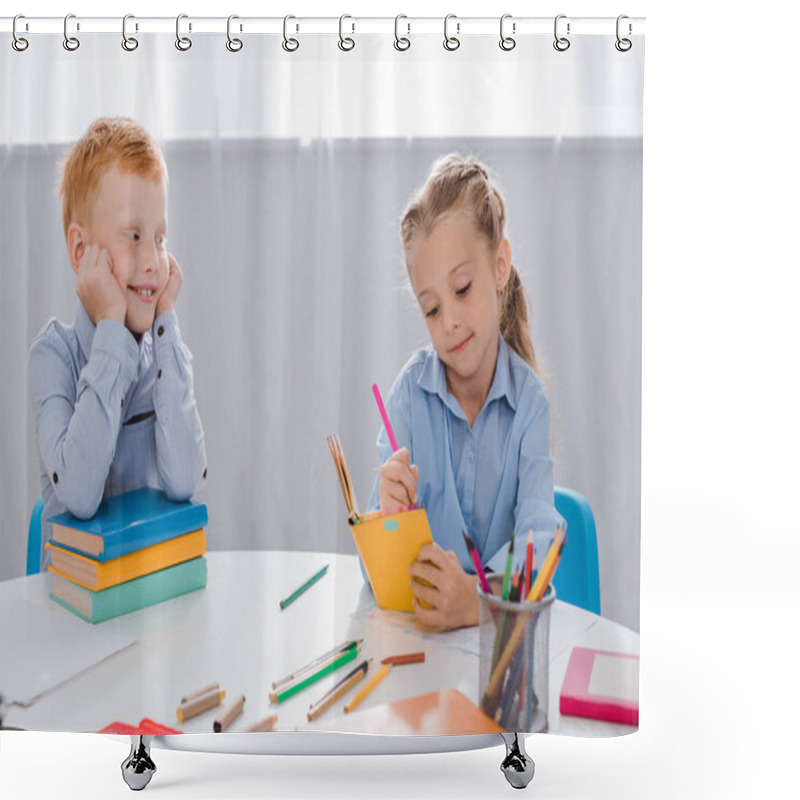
(139, 549)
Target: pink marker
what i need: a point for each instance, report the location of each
(382, 409)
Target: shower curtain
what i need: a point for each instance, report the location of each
(289, 151)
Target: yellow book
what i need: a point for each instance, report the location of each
(96, 575)
(388, 545)
(388, 542)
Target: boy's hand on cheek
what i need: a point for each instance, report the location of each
(97, 287)
(397, 481)
(166, 302)
(452, 597)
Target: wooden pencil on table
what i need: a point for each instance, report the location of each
(339, 690)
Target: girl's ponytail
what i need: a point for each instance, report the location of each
(514, 319)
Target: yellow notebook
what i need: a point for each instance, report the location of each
(96, 575)
(388, 542)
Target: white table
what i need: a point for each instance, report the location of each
(233, 632)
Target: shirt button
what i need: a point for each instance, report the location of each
(159, 373)
(122, 403)
(471, 456)
(55, 477)
(205, 472)
(160, 330)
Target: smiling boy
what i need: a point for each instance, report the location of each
(113, 392)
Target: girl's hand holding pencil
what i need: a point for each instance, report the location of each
(397, 481)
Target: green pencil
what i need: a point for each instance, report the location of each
(507, 576)
(307, 585)
(349, 655)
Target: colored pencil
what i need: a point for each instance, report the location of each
(200, 692)
(473, 553)
(545, 573)
(385, 416)
(319, 661)
(529, 562)
(339, 690)
(507, 575)
(408, 658)
(263, 725)
(279, 697)
(305, 587)
(368, 687)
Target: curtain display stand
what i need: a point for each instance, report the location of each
(138, 768)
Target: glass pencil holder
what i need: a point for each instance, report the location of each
(514, 655)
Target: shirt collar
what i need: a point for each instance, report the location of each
(433, 379)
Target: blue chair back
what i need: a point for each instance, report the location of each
(577, 579)
(35, 538)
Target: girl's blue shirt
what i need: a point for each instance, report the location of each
(493, 479)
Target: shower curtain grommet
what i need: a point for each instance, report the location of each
(561, 43)
(129, 43)
(183, 43)
(507, 43)
(70, 43)
(233, 44)
(19, 43)
(346, 43)
(451, 43)
(623, 44)
(289, 43)
(401, 43)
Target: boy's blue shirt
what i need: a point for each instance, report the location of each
(113, 415)
(493, 479)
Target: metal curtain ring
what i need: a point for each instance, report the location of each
(345, 42)
(233, 44)
(561, 43)
(128, 42)
(451, 42)
(623, 45)
(401, 42)
(18, 42)
(289, 44)
(506, 42)
(71, 43)
(183, 43)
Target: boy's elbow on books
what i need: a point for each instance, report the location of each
(180, 491)
(80, 506)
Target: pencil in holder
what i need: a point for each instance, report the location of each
(514, 655)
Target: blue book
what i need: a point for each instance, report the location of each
(128, 522)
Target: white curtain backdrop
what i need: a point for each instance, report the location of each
(288, 175)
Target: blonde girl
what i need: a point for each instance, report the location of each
(470, 414)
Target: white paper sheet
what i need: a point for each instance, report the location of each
(615, 676)
(42, 644)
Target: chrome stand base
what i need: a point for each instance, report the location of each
(518, 766)
(138, 768)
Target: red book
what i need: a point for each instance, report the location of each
(145, 727)
(601, 684)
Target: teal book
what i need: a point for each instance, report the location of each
(130, 596)
(128, 522)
